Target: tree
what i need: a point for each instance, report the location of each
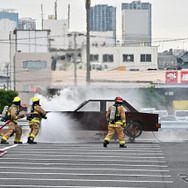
(6, 98)
(153, 99)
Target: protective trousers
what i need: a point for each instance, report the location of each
(120, 133)
(13, 128)
(34, 130)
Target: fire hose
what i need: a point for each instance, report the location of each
(3, 151)
(13, 119)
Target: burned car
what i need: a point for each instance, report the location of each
(91, 115)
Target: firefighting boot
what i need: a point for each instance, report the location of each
(105, 143)
(31, 141)
(122, 146)
(4, 142)
(18, 142)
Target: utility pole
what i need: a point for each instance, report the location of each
(56, 10)
(75, 60)
(88, 41)
(42, 19)
(75, 34)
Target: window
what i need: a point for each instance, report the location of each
(34, 65)
(108, 58)
(145, 57)
(128, 58)
(94, 57)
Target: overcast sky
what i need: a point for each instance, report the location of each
(169, 17)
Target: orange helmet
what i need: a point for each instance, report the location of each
(118, 99)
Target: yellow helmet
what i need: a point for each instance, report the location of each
(35, 99)
(17, 99)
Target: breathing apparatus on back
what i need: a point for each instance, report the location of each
(16, 103)
(113, 112)
(35, 102)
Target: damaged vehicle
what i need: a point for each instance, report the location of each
(91, 115)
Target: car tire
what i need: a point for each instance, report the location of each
(133, 129)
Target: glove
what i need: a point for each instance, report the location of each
(45, 117)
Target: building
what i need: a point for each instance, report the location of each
(58, 32)
(103, 18)
(35, 68)
(131, 58)
(27, 24)
(26, 41)
(10, 15)
(136, 24)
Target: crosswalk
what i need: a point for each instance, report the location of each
(85, 165)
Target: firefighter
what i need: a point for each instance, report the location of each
(13, 113)
(116, 122)
(35, 119)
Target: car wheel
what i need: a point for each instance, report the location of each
(133, 129)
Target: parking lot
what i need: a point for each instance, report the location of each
(88, 164)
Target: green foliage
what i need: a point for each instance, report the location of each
(6, 98)
(153, 99)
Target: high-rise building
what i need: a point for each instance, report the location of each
(9, 14)
(136, 23)
(103, 18)
(27, 24)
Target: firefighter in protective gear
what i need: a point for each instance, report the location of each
(116, 122)
(35, 120)
(13, 113)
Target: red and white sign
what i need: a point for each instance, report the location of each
(171, 76)
(184, 76)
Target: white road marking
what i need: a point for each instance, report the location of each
(85, 160)
(84, 164)
(12, 146)
(86, 156)
(89, 169)
(87, 180)
(82, 174)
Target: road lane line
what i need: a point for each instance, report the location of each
(91, 164)
(82, 174)
(89, 180)
(80, 169)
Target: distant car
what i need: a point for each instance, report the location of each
(91, 115)
(147, 110)
(181, 115)
(163, 114)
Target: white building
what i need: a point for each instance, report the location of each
(32, 41)
(131, 58)
(58, 32)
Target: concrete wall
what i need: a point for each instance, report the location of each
(31, 81)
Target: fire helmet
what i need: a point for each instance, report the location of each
(119, 99)
(35, 99)
(17, 99)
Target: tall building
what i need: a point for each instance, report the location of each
(10, 15)
(27, 24)
(103, 18)
(136, 23)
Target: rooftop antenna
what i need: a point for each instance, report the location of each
(42, 15)
(68, 15)
(56, 10)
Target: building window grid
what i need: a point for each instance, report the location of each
(108, 58)
(128, 58)
(94, 57)
(145, 58)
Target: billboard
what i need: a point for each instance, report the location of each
(184, 77)
(171, 77)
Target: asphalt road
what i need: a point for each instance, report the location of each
(143, 164)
